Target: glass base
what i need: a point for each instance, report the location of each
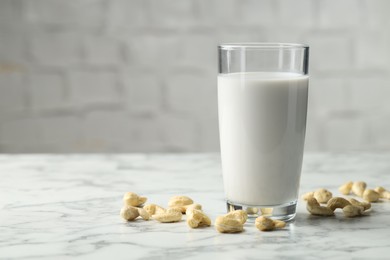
(285, 212)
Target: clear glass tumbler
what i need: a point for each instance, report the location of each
(262, 107)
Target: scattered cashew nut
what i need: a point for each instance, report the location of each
(132, 199)
(266, 211)
(240, 215)
(358, 188)
(337, 203)
(322, 195)
(279, 223)
(252, 211)
(153, 209)
(346, 188)
(266, 224)
(179, 202)
(371, 195)
(196, 218)
(363, 204)
(184, 208)
(170, 215)
(228, 225)
(193, 206)
(351, 211)
(316, 209)
(383, 193)
(129, 213)
(308, 195)
(143, 213)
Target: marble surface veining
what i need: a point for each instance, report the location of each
(67, 206)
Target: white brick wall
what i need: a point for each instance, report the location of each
(198, 50)
(334, 14)
(62, 133)
(372, 50)
(140, 75)
(102, 51)
(330, 52)
(288, 14)
(345, 130)
(191, 93)
(143, 92)
(179, 133)
(47, 90)
(327, 95)
(55, 48)
(11, 15)
(172, 14)
(21, 132)
(147, 134)
(12, 46)
(125, 15)
(257, 13)
(225, 12)
(107, 130)
(12, 91)
(66, 14)
(369, 95)
(376, 13)
(153, 50)
(89, 87)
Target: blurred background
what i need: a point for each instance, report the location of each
(140, 75)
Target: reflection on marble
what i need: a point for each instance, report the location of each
(58, 207)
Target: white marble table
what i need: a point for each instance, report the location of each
(66, 206)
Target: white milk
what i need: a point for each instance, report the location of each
(262, 121)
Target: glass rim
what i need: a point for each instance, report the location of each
(262, 45)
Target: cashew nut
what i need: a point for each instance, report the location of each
(239, 215)
(384, 194)
(194, 206)
(363, 204)
(266, 224)
(180, 201)
(266, 211)
(129, 213)
(371, 195)
(153, 209)
(380, 190)
(196, 218)
(132, 199)
(184, 208)
(358, 188)
(252, 211)
(308, 195)
(143, 213)
(322, 195)
(316, 209)
(228, 225)
(279, 223)
(351, 211)
(170, 215)
(337, 203)
(346, 188)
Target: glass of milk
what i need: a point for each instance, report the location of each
(262, 107)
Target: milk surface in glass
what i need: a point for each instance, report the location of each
(262, 120)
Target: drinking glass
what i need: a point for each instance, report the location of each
(262, 107)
